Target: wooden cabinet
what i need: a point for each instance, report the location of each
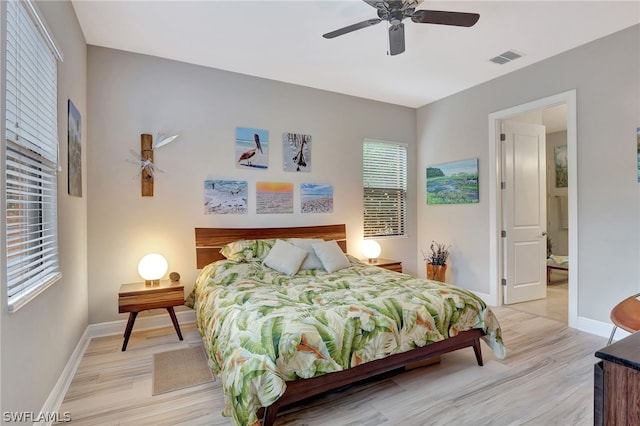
(137, 297)
(617, 383)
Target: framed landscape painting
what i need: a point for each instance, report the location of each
(74, 153)
(453, 183)
(316, 198)
(560, 158)
(274, 197)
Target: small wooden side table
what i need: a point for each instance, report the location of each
(392, 265)
(137, 297)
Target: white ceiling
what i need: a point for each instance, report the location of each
(282, 40)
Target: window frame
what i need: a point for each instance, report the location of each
(29, 152)
(387, 190)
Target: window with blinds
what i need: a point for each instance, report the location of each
(31, 155)
(385, 188)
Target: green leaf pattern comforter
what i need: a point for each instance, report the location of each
(261, 328)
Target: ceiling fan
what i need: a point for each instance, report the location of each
(395, 11)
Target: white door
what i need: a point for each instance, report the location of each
(524, 212)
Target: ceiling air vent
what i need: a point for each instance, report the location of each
(505, 57)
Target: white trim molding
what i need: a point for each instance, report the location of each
(495, 198)
(56, 396)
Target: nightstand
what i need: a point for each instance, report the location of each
(392, 265)
(137, 297)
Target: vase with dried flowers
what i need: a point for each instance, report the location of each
(437, 260)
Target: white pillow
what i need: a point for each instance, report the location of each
(285, 257)
(331, 256)
(311, 261)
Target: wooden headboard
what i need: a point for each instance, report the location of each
(209, 241)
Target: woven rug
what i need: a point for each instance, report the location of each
(180, 369)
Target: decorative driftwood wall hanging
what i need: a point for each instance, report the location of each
(146, 154)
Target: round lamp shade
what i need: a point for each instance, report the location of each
(371, 249)
(152, 267)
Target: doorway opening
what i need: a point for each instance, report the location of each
(529, 111)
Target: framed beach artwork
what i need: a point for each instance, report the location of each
(74, 151)
(274, 197)
(453, 183)
(560, 159)
(316, 198)
(296, 152)
(252, 148)
(225, 196)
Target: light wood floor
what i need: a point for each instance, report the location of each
(546, 379)
(555, 305)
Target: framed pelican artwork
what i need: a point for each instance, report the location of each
(252, 148)
(296, 152)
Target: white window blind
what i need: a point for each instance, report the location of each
(385, 189)
(31, 154)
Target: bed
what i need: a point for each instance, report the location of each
(274, 339)
(560, 263)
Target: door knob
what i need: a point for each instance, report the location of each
(544, 234)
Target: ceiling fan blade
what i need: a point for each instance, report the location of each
(377, 3)
(459, 19)
(396, 39)
(354, 27)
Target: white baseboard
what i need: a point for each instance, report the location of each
(142, 323)
(56, 396)
(600, 328)
(54, 401)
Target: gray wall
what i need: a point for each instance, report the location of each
(130, 94)
(37, 340)
(606, 77)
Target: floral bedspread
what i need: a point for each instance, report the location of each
(261, 328)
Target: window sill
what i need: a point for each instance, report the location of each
(15, 305)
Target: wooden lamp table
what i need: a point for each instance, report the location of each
(390, 264)
(137, 297)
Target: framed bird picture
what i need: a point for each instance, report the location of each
(252, 148)
(296, 151)
(225, 196)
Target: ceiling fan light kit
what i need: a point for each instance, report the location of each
(394, 12)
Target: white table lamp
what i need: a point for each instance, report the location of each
(152, 267)
(371, 250)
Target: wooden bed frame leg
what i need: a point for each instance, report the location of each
(270, 414)
(478, 351)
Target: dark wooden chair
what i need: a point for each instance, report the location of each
(626, 315)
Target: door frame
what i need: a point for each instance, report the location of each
(495, 196)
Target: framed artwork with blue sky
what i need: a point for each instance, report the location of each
(453, 183)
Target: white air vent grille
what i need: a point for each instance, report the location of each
(505, 57)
